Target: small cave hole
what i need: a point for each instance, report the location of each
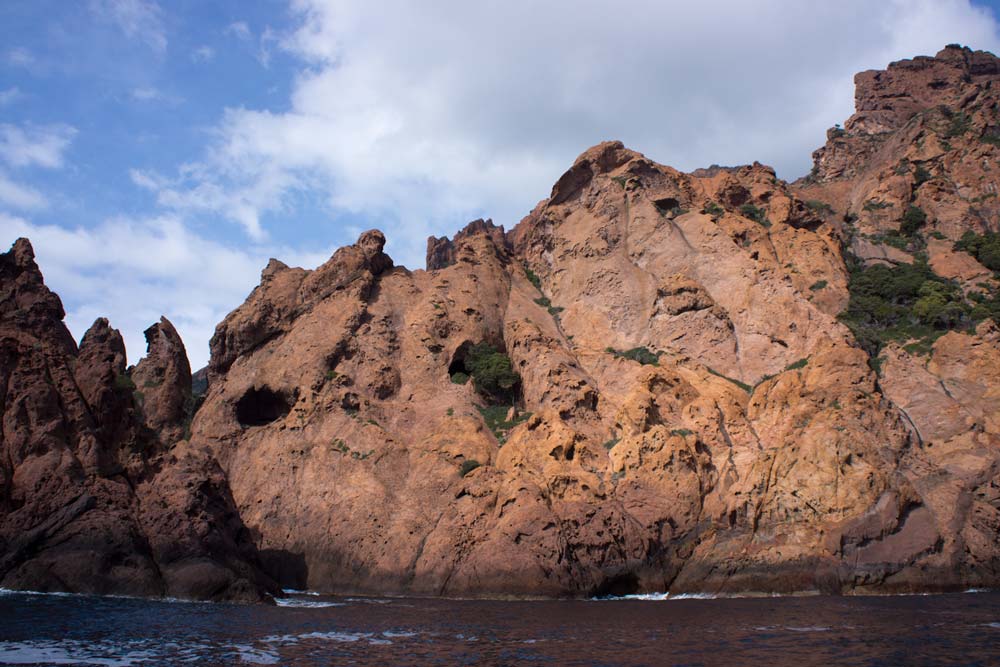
(666, 204)
(258, 407)
(626, 583)
(457, 366)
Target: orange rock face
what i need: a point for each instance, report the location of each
(691, 413)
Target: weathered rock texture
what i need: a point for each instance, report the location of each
(761, 452)
(98, 494)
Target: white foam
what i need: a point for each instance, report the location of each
(808, 628)
(346, 637)
(658, 597)
(62, 594)
(314, 604)
(293, 591)
(255, 656)
(68, 653)
(8, 591)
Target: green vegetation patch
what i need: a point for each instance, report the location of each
(545, 303)
(533, 278)
(818, 285)
(643, 355)
(913, 219)
(492, 372)
(755, 213)
(795, 365)
(901, 303)
(341, 446)
(819, 206)
(921, 176)
(742, 385)
(711, 208)
(984, 247)
(495, 417)
(959, 123)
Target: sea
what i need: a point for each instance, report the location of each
(655, 630)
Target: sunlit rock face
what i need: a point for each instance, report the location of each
(690, 414)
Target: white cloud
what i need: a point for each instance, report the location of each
(268, 39)
(145, 93)
(154, 94)
(203, 54)
(138, 19)
(20, 57)
(35, 145)
(19, 196)
(134, 271)
(10, 96)
(240, 29)
(452, 110)
(147, 180)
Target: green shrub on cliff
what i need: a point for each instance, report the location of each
(756, 214)
(643, 355)
(495, 417)
(711, 208)
(984, 247)
(900, 303)
(913, 219)
(492, 372)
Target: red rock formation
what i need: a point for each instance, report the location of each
(89, 502)
(691, 414)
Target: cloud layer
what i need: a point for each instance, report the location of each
(418, 116)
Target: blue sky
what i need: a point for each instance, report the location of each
(158, 153)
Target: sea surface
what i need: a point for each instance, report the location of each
(306, 629)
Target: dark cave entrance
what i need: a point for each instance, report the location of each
(667, 204)
(457, 364)
(262, 406)
(625, 583)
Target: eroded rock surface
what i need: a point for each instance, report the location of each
(96, 497)
(691, 415)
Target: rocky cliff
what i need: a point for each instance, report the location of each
(714, 381)
(99, 493)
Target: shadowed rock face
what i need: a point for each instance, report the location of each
(96, 495)
(754, 450)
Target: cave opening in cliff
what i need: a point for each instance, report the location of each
(490, 369)
(457, 364)
(258, 407)
(625, 583)
(667, 205)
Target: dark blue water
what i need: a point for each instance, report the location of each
(912, 630)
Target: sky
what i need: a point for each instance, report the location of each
(157, 153)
